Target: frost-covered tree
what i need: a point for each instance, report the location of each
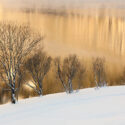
(38, 66)
(67, 70)
(16, 42)
(99, 71)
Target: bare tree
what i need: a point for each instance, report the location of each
(38, 66)
(99, 71)
(16, 42)
(67, 70)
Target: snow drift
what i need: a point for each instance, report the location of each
(104, 106)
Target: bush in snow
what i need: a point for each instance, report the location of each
(38, 66)
(67, 70)
(99, 71)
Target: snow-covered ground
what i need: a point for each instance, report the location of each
(105, 106)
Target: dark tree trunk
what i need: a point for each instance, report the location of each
(13, 94)
(13, 97)
(40, 89)
(70, 86)
(40, 92)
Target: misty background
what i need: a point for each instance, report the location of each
(63, 3)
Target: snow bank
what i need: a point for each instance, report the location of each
(105, 106)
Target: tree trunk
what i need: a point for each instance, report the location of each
(13, 98)
(96, 80)
(70, 86)
(40, 92)
(40, 89)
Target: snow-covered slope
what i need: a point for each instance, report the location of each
(105, 106)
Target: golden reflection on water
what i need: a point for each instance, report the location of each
(81, 32)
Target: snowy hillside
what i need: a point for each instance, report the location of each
(105, 106)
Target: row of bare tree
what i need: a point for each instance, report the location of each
(16, 44)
